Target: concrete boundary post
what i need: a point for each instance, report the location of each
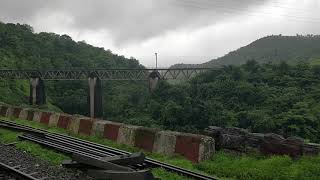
(165, 142)
(127, 134)
(23, 114)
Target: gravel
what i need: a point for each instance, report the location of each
(13, 157)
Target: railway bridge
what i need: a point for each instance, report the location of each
(94, 77)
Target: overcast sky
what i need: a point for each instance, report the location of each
(180, 31)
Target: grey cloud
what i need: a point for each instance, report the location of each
(130, 20)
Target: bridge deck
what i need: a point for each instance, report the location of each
(103, 74)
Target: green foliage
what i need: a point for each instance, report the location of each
(259, 167)
(21, 48)
(279, 98)
(291, 49)
(274, 49)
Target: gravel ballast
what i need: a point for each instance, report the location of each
(12, 156)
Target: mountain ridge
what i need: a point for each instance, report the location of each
(273, 48)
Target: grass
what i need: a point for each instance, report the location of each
(8, 136)
(222, 164)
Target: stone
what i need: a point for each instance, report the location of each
(253, 142)
(233, 142)
(311, 149)
(235, 131)
(276, 144)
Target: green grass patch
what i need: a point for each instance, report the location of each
(8, 136)
(262, 167)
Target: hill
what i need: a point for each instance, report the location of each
(21, 48)
(291, 49)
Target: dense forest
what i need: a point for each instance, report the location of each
(274, 48)
(262, 96)
(278, 98)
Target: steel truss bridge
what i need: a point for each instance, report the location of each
(103, 74)
(94, 78)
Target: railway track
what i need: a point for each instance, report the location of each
(15, 173)
(72, 145)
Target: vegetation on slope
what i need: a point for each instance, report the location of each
(262, 98)
(274, 48)
(21, 48)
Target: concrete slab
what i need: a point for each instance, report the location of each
(23, 114)
(64, 121)
(85, 126)
(98, 128)
(144, 138)
(74, 124)
(111, 130)
(127, 134)
(37, 116)
(45, 117)
(53, 120)
(165, 142)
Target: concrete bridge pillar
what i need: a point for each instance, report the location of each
(37, 92)
(95, 97)
(153, 79)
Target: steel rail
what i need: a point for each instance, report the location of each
(17, 172)
(114, 151)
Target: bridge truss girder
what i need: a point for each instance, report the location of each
(102, 74)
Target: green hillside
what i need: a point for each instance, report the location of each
(21, 48)
(275, 49)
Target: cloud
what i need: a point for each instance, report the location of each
(188, 31)
(126, 20)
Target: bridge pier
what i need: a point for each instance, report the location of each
(37, 92)
(153, 79)
(95, 97)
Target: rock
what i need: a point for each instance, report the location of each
(213, 131)
(235, 131)
(276, 144)
(240, 140)
(253, 142)
(311, 149)
(294, 140)
(233, 142)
